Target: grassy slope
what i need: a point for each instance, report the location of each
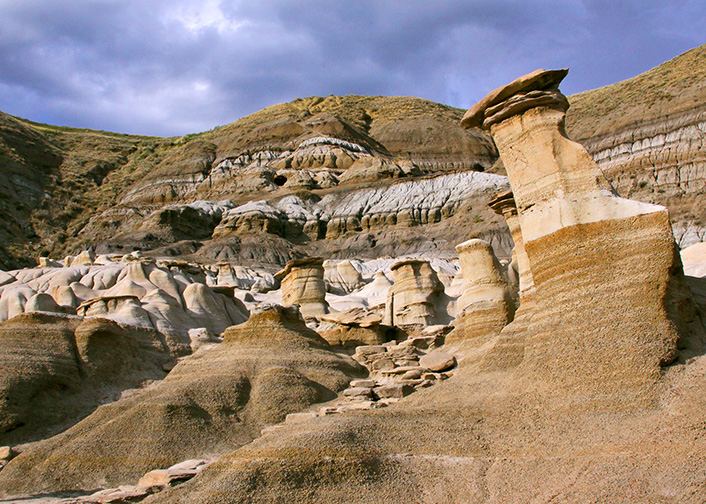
(672, 87)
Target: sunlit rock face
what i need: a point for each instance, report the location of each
(504, 204)
(342, 277)
(584, 409)
(213, 402)
(486, 304)
(582, 243)
(416, 298)
(303, 285)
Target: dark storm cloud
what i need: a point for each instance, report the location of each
(172, 67)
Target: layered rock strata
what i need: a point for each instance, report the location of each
(487, 304)
(647, 135)
(56, 369)
(581, 239)
(209, 404)
(409, 203)
(591, 414)
(303, 285)
(416, 298)
(419, 215)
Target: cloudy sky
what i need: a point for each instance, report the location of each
(170, 67)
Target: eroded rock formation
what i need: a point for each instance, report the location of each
(567, 212)
(210, 403)
(416, 298)
(164, 298)
(354, 327)
(486, 304)
(56, 369)
(342, 277)
(591, 412)
(303, 286)
(504, 204)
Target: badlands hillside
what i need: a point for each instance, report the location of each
(363, 299)
(316, 174)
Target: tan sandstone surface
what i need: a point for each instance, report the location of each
(56, 369)
(603, 406)
(209, 404)
(569, 368)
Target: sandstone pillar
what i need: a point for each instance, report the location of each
(483, 275)
(486, 305)
(303, 285)
(605, 269)
(504, 204)
(415, 298)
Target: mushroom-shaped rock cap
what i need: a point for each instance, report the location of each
(536, 81)
(473, 244)
(298, 263)
(405, 262)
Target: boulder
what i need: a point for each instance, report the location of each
(395, 390)
(437, 361)
(119, 495)
(159, 479)
(6, 453)
(353, 327)
(694, 260)
(45, 262)
(85, 258)
(358, 392)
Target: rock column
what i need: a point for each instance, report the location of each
(303, 285)
(504, 204)
(486, 305)
(415, 298)
(609, 307)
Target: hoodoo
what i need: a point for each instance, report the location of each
(486, 305)
(303, 285)
(582, 243)
(416, 298)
